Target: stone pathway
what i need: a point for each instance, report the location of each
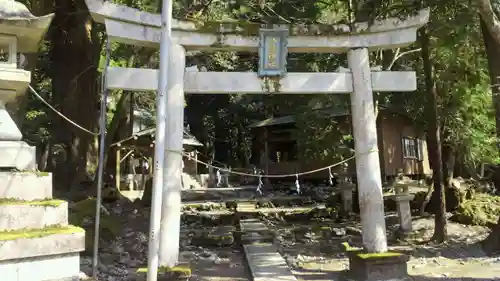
(312, 255)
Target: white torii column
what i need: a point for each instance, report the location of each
(371, 200)
(171, 202)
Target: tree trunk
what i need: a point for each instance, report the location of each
(74, 54)
(492, 243)
(440, 232)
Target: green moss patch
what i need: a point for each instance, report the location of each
(483, 209)
(45, 203)
(83, 214)
(37, 233)
(349, 248)
(38, 173)
(182, 270)
(378, 255)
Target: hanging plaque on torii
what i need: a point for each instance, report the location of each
(273, 51)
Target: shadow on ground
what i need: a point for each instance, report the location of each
(316, 275)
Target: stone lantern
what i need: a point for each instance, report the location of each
(20, 33)
(36, 241)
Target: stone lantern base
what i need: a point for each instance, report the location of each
(387, 266)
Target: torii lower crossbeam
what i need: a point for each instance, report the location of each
(139, 79)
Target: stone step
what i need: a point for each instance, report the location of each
(215, 236)
(288, 210)
(250, 200)
(252, 225)
(254, 237)
(60, 267)
(254, 231)
(26, 185)
(16, 214)
(17, 154)
(35, 243)
(266, 263)
(244, 207)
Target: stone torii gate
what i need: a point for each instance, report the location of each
(131, 26)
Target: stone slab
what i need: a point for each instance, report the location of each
(25, 185)
(17, 154)
(254, 231)
(251, 83)
(255, 237)
(252, 225)
(266, 263)
(24, 215)
(55, 244)
(65, 267)
(289, 209)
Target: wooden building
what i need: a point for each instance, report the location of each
(402, 146)
(132, 153)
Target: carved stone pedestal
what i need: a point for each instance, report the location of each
(377, 267)
(346, 192)
(404, 211)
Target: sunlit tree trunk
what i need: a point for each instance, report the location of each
(74, 55)
(491, 37)
(434, 136)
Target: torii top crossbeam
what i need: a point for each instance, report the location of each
(131, 26)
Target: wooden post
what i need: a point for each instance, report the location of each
(171, 206)
(371, 201)
(117, 169)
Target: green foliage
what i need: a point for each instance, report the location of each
(483, 210)
(220, 121)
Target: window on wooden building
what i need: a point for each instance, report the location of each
(410, 148)
(413, 148)
(284, 151)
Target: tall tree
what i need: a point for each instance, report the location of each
(490, 26)
(74, 53)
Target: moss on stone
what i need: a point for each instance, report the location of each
(378, 255)
(37, 233)
(349, 248)
(183, 270)
(482, 209)
(45, 202)
(85, 210)
(245, 28)
(38, 173)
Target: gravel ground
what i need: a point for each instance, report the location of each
(313, 256)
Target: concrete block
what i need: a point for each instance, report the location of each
(26, 185)
(17, 154)
(266, 264)
(41, 243)
(33, 214)
(63, 267)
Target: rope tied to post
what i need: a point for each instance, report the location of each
(330, 176)
(297, 184)
(260, 186)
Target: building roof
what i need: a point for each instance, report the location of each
(335, 111)
(17, 20)
(188, 138)
(290, 119)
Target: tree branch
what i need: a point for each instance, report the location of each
(490, 18)
(398, 55)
